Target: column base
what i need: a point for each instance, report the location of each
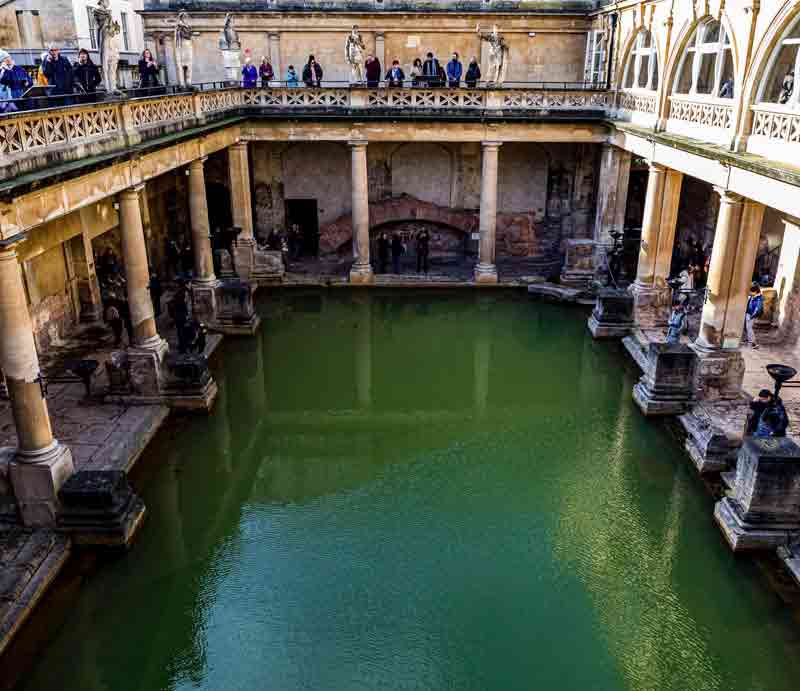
(244, 250)
(651, 306)
(719, 373)
(267, 267)
(744, 535)
(362, 275)
(666, 386)
(204, 300)
(100, 509)
(486, 274)
(235, 312)
(612, 316)
(36, 479)
(135, 375)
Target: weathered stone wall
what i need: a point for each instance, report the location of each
(541, 47)
(545, 191)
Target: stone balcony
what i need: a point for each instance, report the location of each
(32, 141)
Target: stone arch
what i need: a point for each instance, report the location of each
(336, 237)
(672, 68)
(423, 170)
(625, 54)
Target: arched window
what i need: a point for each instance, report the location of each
(784, 70)
(641, 72)
(707, 63)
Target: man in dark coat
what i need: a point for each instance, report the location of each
(312, 72)
(423, 249)
(86, 73)
(383, 252)
(431, 70)
(372, 68)
(395, 75)
(397, 251)
(59, 74)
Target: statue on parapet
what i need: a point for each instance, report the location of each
(108, 44)
(230, 37)
(184, 51)
(498, 55)
(354, 49)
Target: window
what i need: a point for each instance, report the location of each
(707, 64)
(784, 70)
(124, 22)
(594, 57)
(92, 27)
(641, 72)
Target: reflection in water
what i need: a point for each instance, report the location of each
(425, 491)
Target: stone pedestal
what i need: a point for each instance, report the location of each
(37, 478)
(711, 447)
(232, 64)
(579, 263)
(204, 301)
(267, 267)
(135, 375)
(188, 384)
(612, 316)
(100, 509)
(765, 507)
(651, 306)
(235, 312)
(244, 250)
(719, 373)
(666, 387)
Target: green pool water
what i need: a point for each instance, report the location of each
(422, 491)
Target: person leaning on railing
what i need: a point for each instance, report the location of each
(59, 75)
(87, 75)
(266, 73)
(14, 80)
(148, 71)
(473, 74)
(395, 75)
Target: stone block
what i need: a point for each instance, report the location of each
(719, 374)
(204, 301)
(188, 384)
(244, 257)
(236, 314)
(579, 263)
(36, 485)
(764, 510)
(362, 277)
(267, 266)
(666, 386)
(100, 509)
(612, 316)
(651, 306)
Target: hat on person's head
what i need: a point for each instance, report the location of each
(4, 55)
(755, 286)
(764, 393)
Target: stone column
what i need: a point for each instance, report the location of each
(41, 464)
(729, 277)
(204, 285)
(137, 271)
(242, 208)
(650, 290)
(486, 271)
(275, 55)
(612, 193)
(201, 231)
(361, 271)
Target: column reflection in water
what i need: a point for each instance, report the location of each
(363, 351)
(483, 353)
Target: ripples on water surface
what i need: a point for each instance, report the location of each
(423, 491)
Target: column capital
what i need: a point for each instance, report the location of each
(654, 167)
(357, 143)
(240, 145)
(198, 163)
(728, 197)
(132, 191)
(491, 145)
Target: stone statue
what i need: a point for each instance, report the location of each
(184, 52)
(230, 37)
(498, 55)
(108, 43)
(354, 54)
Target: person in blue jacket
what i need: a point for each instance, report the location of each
(249, 74)
(755, 308)
(454, 72)
(291, 77)
(15, 78)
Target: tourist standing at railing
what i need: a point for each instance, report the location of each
(473, 73)
(416, 72)
(249, 73)
(383, 252)
(291, 77)
(372, 69)
(423, 251)
(755, 308)
(454, 72)
(148, 71)
(87, 76)
(266, 73)
(14, 81)
(397, 251)
(312, 72)
(431, 70)
(59, 75)
(395, 75)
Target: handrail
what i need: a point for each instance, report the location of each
(37, 103)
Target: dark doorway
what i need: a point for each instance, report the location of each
(303, 212)
(220, 216)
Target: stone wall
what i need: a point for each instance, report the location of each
(545, 191)
(542, 47)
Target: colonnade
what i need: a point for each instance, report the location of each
(485, 271)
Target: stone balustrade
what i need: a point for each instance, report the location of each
(701, 118)
(775, 131)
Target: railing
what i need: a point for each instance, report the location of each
(699, 111)
(638, 102)
(776, 122)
